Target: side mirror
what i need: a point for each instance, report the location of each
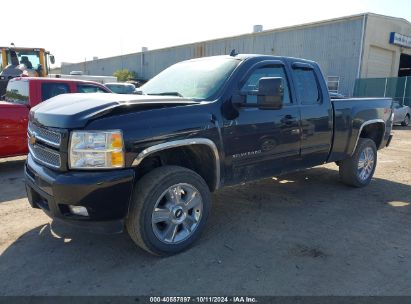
(52, 60)
(270, 93)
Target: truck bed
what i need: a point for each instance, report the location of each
(349, 117)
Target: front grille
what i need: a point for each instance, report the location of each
(46, 156)
(50, 137)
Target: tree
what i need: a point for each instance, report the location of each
(124, 74)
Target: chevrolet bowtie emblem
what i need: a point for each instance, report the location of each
(32, 139)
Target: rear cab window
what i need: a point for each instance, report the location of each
(18, 92)
(307, 86)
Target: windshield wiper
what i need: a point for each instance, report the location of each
(167, 94)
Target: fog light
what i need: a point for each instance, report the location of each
(78, 210)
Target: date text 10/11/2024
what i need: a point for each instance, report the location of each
(204, 299)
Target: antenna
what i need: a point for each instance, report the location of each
(233, 53)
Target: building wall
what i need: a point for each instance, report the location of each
(334, 44)
(380, 58)
(55, 70)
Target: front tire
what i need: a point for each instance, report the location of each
(358, 170)
(406, 121)
(169, 209)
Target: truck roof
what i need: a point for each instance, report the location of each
(257, 56)
(248, 56)
(46, 79)
(20, 48)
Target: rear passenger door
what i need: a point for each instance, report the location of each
(316, 114)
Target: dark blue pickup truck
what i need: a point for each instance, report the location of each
(149, 162)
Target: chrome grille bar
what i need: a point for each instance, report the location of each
(47, 157)
(47, 136)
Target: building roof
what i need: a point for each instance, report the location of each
(280, 29)
(297, 26)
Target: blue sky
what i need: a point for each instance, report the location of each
(76, 30)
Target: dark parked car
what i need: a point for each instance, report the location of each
(149, 162)
(138, 82)
(402, 114)
(121, 87)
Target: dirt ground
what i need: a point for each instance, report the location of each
(301, 234)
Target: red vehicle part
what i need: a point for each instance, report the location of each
(22, 94)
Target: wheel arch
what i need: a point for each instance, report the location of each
(196, 160)
(373, 129)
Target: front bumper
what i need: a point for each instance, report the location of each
(105, 194)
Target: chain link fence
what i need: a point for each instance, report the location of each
(398, 88)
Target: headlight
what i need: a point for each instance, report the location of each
(96, 150)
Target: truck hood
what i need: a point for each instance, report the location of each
(76, 110)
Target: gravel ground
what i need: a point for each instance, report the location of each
(300, 234)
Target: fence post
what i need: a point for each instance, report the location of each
(385, 87)
(405, 89)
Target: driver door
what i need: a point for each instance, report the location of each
(261, 143)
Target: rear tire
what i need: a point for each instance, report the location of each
(169, 209)
(358, 170)
(406, 121)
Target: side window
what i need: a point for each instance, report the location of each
(49, 90)
(307, 87)
(87, 88)
(250, 87)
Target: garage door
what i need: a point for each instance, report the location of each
(379, 62)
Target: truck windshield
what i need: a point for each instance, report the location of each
(18, 92)
(31, 59)
(196, 79)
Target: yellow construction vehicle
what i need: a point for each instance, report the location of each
(19, 61)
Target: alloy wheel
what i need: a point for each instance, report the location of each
(366, 163)
(177, 213)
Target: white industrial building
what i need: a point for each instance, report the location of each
(360, 46)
